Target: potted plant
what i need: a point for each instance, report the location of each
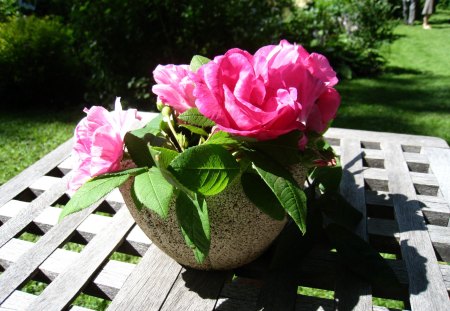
(213, 179)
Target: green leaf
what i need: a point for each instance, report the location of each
(361, 258)
(193, 219)
(92, 191)
(162, 156)
(153, 191)
(206, 169)
(222, 138)
(197, 61)
(285, 188)
(194, 117)
(328, 176)
(283, 149)
(132, 172)
(335, 207)
(137, 142)
(154, 126)
(257, 191)
(194, 129)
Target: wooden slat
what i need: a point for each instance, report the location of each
(12, 227)
(22, 269)
(435, 209)
(426, 286)
(105, 285)
(80, 272)
(352, 293)
(17, 301)
(440, 165)
(230, 304)
(20, 182)
(136, 242)
(440, 236)
(21, 300)
(195, 290)
(43, 184)
(404, 139)
(242, 289)
(417, 178)
(307, 303)
(149, 284)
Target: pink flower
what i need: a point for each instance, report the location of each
(99, 143)
(174, 86)
(279, 89)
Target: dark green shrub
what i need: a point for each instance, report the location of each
(123, 41)
(37, 63)
(348, 32)
(8, 8)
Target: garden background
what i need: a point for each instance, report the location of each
(57, 57)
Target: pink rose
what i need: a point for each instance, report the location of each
(268, 94)
(174, 86)
(99, 143)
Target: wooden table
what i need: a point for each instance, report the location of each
(401, 183)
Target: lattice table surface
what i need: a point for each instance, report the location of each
(399, 182)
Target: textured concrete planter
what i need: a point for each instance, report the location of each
(240, 232)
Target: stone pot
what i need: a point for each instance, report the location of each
(240, 232)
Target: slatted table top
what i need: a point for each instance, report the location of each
(399, 182)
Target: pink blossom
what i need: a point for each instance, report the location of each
(174, 86)
(279, 89)
(99, 143)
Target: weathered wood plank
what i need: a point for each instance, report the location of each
(417, 162)
(440, 165)
(17, 301)
(81, 271)
(20, 301)
(11, 209)
(26, 265)
(149, 284)
(440, 236)
(105, 285)
(43, 184)
(404, 139)
(426, 285)
(20, 182)
(230, 304)
(195, 290)
(12, 227)
(136, 242)
(242, 289)
(435, 209)
(417, 178)
(353, 293)
(307, 303)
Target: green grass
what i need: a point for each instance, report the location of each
(413, 95)
(25, 138)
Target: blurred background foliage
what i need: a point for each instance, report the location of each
(56, 53)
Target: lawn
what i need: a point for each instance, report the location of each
(413, 95)
(26, 137)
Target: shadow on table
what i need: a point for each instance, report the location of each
(206, 284)
(281, 274)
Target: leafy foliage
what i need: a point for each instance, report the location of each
(115, 40)
(38, 63)
(206, 169)
(194, 117)
(95, 189)
(153, 191)
(192, 215)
